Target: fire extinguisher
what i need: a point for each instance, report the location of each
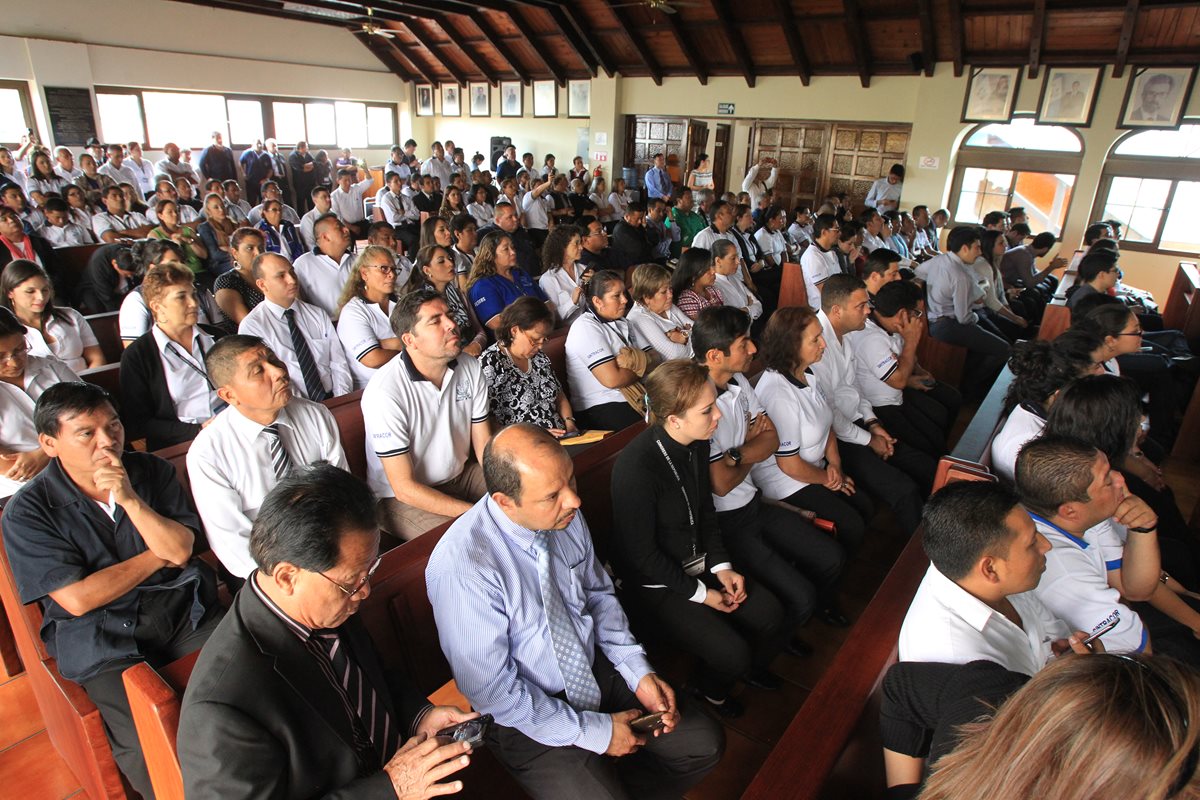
(598, 172)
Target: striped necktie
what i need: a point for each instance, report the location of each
(308, 367)
(280, 459)
(575, 665)
(374, 731)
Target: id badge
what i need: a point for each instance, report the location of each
(694, 566)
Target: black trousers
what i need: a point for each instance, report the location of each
(164, 634)
(782, 551)
(409, 234)
(923, 419)
(850, 513)
(607, 417)
(885, 481)
(1168, 637)
(988, 352)
(729, 645)
(941, 403)
(665, 767)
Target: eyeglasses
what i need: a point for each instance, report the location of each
(1138, 332)
(15, 355)
(366, 579)
(386, 269)
(916, 313)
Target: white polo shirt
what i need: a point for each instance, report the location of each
(70, 338)
(267, 322)
(231, 471)
(1022, 426)
(876, 358)
(348, 205)
(322, 279)
(1075, 586)
(187, 214)
(837, 372)
(307, 237)
(739, 406)
(818, 265)
(537, 214)
(649, 328)
(66, 236)
(103, 222)
(405, 413)
(187, 381)
(590, 343)
(121, 174)
(946, 623)
(706, 237)
(361, 327)
(735, 293)
(772, 243)
(803, 419)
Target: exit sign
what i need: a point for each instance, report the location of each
(725, 109)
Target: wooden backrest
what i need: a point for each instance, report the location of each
(1055, 320)
(944, 361)
(72, 261)
(107, 328)
(791, 287)
(107, 378)
(348, 415)
(154, 701)
(1181, 310)
(556, 348)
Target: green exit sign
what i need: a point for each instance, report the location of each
(725, 109)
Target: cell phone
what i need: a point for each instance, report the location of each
(649, 723)
(1108, 626)
(472, 732)
(571, 434)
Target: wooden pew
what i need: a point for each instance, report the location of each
(1182, 309)
(71, 263)
(107, 378)
(1055, 320)
(944, 361)
(1187, 441)
(791, 286)
(154, 701)
(108, 334)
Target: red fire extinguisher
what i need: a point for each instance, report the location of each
(598, 172)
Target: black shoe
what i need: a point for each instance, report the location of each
(833, 616)
(798, 647)
(762, 678)
(725, 709)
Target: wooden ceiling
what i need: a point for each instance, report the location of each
(456, 41)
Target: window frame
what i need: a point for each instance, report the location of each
(267, 111)
(1001, 158)
(22, 90)
(1175, 170)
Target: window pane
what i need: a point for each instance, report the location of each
(188, 120)
(322, 128)
(245, 121)
(1022, 134)
(381, 128)
(1045, 197)
(1138, 202)
(120, 118)
(289, 122)
(12, 116)
(351, 124)
(983, 190)
(1180, 232)
(1183, 143)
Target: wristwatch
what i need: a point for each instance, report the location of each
(734, 455)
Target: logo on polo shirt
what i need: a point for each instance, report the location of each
(462, 392)
(1111, 619)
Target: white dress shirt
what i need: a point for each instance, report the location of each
(348, 204)
(734, 290)
(483, 213)
(187, 214)
(187, 381)
(121, 174)
(103, 222)
(397, 208)
(145, 174)
(16, 408)
(537, 211)
(267, 322)
(307, 237)
(837, 373)
(558, 286)
(70, 338)
(946, 623)
(951, 288)
(884, 196)
(66, 236)
(756, 188)
(438, 168)
(322, 279)
(231, 471)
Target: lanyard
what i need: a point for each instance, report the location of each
(687, 501)
(173, 350)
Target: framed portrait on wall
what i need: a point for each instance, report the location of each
(481, 99)
(511, 99)
(424, 100)
(545, 99)
(579, 99)
(1069, 96)
(451, 100)
(991, 94)
(1157, 97)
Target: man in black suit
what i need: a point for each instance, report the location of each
(630, 244)
(428, 199)
(288, 700)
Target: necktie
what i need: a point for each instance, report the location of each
(308, 368)
(575, 665)
(375, 735)
(280, 459)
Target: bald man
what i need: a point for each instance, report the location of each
(563, 678)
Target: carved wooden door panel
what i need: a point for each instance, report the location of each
(859, 154)
(800, 149)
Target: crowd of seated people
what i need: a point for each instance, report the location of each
(486, 321)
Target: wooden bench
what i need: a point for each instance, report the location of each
(71, 262)
(107, 328)
(154, 701)
(1055, 320)
(792, 292)
(944, 361)
(1182, 309)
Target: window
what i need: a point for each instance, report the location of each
(1018, 164)
(15, 116)
(322, 129)
(1142, 189)
(351, 124)
(289, 122)
(188, 120)
(245, 121)
(121, 117)
(381, 126)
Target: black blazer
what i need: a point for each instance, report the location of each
(146, 406)
(260, 720)
(97, 291)
(630, 246)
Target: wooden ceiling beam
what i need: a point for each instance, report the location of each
(1037, 37)
(685, 46)
(382, 49)
(422, 36)
(454, 36)
(643, 52)
(928, 40)
(858, 42)
(956, 35)
(588, 53)
(499, 45)
(791, 32)
(554, 69)
(736, 42)
(1127, 27)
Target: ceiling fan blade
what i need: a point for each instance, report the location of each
(666, 9)
(640, 4)
(385, 34)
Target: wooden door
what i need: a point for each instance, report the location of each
(720, 158)
(859, 154)
(697, 143)
(650, 135)
(800, 148)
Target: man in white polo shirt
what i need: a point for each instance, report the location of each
(1074, 496)
(300, 333)
(425, 411)
(722, 220)
(253, 444)
(819, 261)
(323, 271)
(117, 169)
(116, 221)
(975, 601)
(347, 200)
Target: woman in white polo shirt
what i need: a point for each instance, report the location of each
(362, 322)
(654, 318)
(807, 470)
(50, 330)
(603, 363)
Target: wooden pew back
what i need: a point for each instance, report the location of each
(1055, 320)
(944, 361)
(792, 292)
(1182, 308)
(72, 262)
(154, 701)
(107, 328)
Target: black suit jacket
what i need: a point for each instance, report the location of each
(98, 290)
(630, 246)
(259, 718)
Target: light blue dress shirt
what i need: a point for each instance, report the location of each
(658, 183)
(482, 580)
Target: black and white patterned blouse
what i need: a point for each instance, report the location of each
(522, 396)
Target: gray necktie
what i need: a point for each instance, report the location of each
(280, 459)
(575, 665)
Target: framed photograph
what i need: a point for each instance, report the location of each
(451, 100)
(1156, 97)
(579, 99)
(991, 93)
(481, 99)
(1069, 96)
(545, 99)
(512, 95)
(424, 100)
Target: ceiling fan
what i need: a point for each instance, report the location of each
(665, 6)
(372, 28)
